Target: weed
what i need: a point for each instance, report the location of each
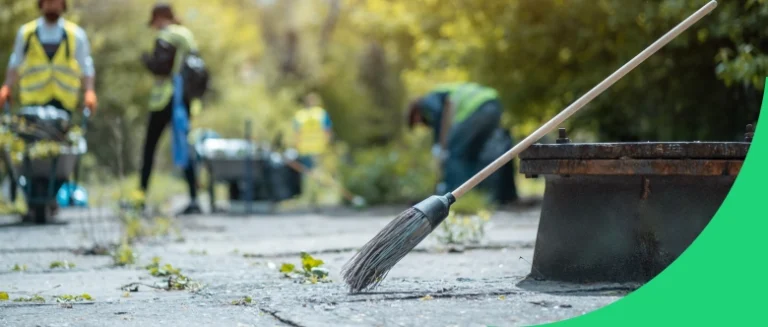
(311, 272)
(34, 298)
(62, 264)
(66, 298)
(18, 267)
(123, 256)
(246, 300)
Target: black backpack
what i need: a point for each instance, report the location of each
(195, 75)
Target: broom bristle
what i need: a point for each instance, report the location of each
(371, 264)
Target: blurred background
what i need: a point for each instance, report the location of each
(368, 58)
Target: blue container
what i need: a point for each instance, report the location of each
(75, 192)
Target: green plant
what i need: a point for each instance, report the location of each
(246, 300)
(123, 255)
(73, 298)
(311, 271)
(461, 229)
(62, 264)
(401, 171)
(17, 267)
(34, 298)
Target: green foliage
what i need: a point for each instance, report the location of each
(311, 273)
(308, 262)
(155, 263)
(123, 255)
(462, 229)
(68, 298)
(164, 271)
(19, 268)
(62, 264)
(471, 203)
(400, 172)
(246, 300)
(35, 298)
(175, 281)
(287, 268)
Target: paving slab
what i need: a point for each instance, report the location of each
(480, 284)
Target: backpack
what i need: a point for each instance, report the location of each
(195, 75)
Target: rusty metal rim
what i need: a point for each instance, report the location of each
(662, 167)
(638, 150)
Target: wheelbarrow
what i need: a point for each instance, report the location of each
(256, 175)
(42, 178)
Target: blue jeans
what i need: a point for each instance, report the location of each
(466, 140)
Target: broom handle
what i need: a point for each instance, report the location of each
(581, 102)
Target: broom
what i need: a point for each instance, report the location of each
(367, 268)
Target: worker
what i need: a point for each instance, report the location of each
(312, 126)
(172, 45)
(464, 117)
(51, 61)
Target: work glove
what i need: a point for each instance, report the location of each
(90, 100)
(438, 153)
(5, 94)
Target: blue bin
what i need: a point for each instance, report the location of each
(76, 192)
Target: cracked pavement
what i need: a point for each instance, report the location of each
(481, 285)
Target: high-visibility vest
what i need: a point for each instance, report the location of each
(43, 79)
(466, 98)
(181, 38)
(311, 134)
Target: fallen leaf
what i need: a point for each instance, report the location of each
(287, 268)
(426, 298)
(4, 296)
(502, 297)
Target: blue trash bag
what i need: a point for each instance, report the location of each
(180, 122)
(75, 192)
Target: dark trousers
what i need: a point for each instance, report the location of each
(158, 120)
(466, 140)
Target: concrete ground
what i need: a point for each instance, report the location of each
(233, 257)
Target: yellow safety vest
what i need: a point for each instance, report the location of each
(42, 80)
(312, 137)
(184, 41)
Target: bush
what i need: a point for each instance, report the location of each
(402, 171)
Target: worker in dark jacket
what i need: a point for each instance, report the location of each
(173, 43)
(464, 117)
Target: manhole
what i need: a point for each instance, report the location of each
(621, 212)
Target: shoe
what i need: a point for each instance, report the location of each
(192, 209)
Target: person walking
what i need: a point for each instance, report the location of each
(173, 43)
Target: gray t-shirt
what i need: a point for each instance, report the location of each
(53, 33)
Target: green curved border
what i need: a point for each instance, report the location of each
(720, 278)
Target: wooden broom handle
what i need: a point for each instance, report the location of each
(581, 102)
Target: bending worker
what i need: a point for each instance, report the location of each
(172, 45)
(312, 126)
(51, 60)
(464, 117)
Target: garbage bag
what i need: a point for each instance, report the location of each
(180, 122)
